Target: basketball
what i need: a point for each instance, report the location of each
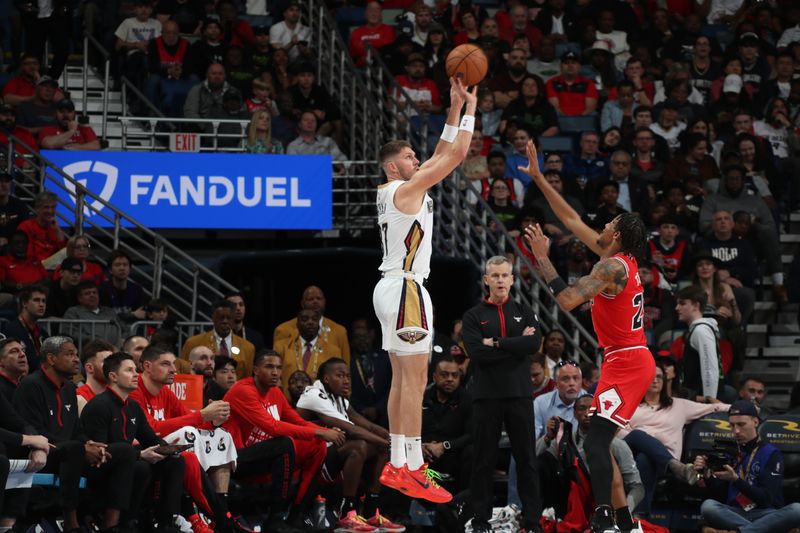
(467, 62)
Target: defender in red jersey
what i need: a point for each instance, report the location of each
(616, 293)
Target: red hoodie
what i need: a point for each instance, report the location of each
(165, 412)
(257, 417)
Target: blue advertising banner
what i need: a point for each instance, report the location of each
(214, 191)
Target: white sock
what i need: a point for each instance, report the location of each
(397, 450)
(414, 452)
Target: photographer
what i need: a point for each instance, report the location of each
(752, 481)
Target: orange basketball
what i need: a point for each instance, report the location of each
(467, 62)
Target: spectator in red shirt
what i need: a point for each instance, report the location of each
(67, 134)
(8, 126)
(20, 88)
(570, 93)
(45, 237)
(271, 437)
(374, 32)
(236, 32)
(421, 90)
(78, 247)
(18, 270)
(520, 23)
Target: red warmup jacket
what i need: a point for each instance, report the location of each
(257, 417)
(165, 412)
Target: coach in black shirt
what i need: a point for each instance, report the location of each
(46, 399)
(500, 336)
(111, 418)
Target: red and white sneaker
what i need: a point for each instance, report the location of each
(352, 523)
(423, 485)
(384, 525)
(199, 525)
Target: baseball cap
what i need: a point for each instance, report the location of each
(70, 262)
(47, 80)
(415, 58)
(749, 37)
(261, 30)
(602, 46)
(743, 407)
(733, 84)
(6, 109)
(569, 55)
(66, 103)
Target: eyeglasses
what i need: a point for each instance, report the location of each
(566, 362)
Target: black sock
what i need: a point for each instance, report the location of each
(603, 516)
(598, 458)
(222, 501)
(371, 504)
(624, 519)
(348, 504)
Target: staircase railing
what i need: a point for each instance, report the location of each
(473, 232)
(401, 118)
(90, 43)
(337, 73)
(163, 269)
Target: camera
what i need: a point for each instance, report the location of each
(723, 453)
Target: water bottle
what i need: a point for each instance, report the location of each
(320, 514)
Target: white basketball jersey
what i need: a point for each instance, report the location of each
(406, 239)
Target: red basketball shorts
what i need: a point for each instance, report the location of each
(625, 376)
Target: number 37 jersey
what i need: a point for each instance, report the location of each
(619, 319)
(406, 239)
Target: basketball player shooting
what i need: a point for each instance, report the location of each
(628, 367)
(403, 306)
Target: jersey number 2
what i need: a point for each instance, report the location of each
(638, 303)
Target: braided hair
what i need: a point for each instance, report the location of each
(632, 234)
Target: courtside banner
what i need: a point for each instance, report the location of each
(217, 191)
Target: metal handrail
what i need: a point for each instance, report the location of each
(67, 326)
(170, 266)
(155, 122)
(185, 329)
(337, 72)
(90, 40)
(128, 85)
(384, 89)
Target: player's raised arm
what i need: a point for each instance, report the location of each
(564, 212)
(452, 154)
(450, 130)
(608, 274)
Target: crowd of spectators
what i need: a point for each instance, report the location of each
(690, 116)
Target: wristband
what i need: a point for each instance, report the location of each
(557, 285)
(449, 133)
(467, 123)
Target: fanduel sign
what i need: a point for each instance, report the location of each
(221, 191)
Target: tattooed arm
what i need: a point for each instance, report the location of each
(608, 275)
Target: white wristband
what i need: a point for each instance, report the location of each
(467, 123)
(449, 133)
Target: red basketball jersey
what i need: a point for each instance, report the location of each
(619, 319)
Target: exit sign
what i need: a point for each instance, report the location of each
(184, 142)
